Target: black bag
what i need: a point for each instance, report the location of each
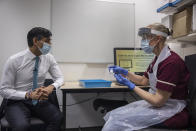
(52, 98)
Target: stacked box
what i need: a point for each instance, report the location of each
(182, 23)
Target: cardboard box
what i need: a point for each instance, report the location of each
(194, 18)
(167, 21)
(182, 23)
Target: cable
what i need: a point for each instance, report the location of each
(88, 99)
(83, 101)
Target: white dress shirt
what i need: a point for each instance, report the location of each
(17, 77)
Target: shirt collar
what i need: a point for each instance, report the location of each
(30, 55)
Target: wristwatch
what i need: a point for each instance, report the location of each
(27, 96)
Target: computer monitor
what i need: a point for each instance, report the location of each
(133, 59)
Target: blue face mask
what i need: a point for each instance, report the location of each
(45, 49)
(146, 47)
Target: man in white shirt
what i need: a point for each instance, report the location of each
(22, 83)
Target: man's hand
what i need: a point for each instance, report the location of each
(35, 95)
(41, 93)
(46, 91)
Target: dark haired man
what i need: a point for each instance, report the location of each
(22, 83)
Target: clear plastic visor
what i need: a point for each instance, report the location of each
(148, 33)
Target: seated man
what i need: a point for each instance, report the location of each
(22, 83)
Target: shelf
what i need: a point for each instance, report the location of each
(191, 38)
(166, 8)
(175, 6)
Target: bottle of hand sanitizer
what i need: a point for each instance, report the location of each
(111, 70)
(109, 73)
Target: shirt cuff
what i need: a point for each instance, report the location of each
(22, 94)
(56, 85)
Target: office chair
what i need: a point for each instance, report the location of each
(190, 62)
(36, 123)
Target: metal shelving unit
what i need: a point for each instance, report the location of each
(175, 7)
(191, 38)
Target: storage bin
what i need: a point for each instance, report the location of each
(164, 2)
(95, 83)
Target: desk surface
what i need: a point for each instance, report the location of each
(75, 87)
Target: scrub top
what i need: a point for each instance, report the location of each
(173, 76)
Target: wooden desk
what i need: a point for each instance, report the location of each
(74, 87)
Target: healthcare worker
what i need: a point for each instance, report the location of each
(164, 104)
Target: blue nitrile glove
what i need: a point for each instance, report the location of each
(124, 81)
(118, 70)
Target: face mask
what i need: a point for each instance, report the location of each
(45, 49)
(146, 47)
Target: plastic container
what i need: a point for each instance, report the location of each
(164, 2)
(95, 83)
(168, 6)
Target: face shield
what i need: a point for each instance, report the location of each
(148, 33)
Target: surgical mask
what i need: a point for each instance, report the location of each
(45, 48)
(145, 45)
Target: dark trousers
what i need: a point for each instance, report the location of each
(18, 114)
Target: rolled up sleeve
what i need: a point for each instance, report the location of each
(7, 83)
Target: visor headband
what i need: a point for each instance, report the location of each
(155, 32)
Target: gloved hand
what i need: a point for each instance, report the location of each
(124, 81)
(118, 70)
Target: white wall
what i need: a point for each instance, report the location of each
(86, 31)
(183, 49)
(17, 18)
(145, 14)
